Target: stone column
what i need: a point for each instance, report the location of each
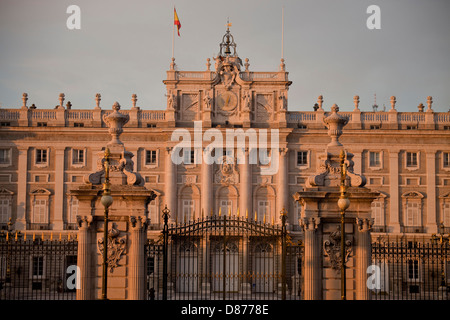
(22, 169)
(84, 288)
(282, 184)
(394, 221)
(246, 196)
(58, 222)
(207, 188)
(313, 268)
(363, 258)
(170, 185)
(431, 222)
(137, 277)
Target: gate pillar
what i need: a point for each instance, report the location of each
(348, 227)
(125, 222)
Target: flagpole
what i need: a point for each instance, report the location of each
(282, 32)
(173, 36)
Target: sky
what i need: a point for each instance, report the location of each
(125, 48)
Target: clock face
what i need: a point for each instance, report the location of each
(227, 101)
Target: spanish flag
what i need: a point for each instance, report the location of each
(176, 21)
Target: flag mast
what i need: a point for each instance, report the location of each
(282, 32)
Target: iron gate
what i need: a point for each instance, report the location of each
(224, 257)
(411, 270)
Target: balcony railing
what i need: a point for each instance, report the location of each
(413, 229)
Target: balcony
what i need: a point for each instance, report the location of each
(413, 229)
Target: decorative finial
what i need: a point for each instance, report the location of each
(208, 64)
(356, 102)
(393, 101)
(282, 65)
(24, 100)
(133, 100)
(429, 103)
(61, 100)
(421, 107)
(68, 105)
(172, 64)
(116, 106)
(335, 122)
(246, 64)
(115, 121)
(320, 101)
(98, 97)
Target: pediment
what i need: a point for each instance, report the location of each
(40, 191)
(413, 194)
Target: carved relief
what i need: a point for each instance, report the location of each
(263, 107)
(189, 106)
(116, 246)
(227, 172)
(332, 249)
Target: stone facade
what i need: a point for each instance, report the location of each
(46, 153)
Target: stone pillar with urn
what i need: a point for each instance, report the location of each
(321, 219)
(126, 223)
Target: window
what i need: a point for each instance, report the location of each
(5, 156)
(150, 265)
(413, 269)
(411, 127)
(263, 211)
(150, 157)
(375, 127)
(264, 156)
(377, 213)
(446, 159)
(5, 210)
(74, 204)
(42, 124)
(5, 124)
(38, 266)
(225, 206)
(188, 209)
(189, 157)
(375, 159)
(78, 124)
(412, 214)
(151, 125)
(411, 159)
(302, 158)
(77, 156)
(446, 215)
(41, 156)
(40, 211)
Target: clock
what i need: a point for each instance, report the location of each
(227, 101)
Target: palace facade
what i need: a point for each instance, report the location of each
(45, 153)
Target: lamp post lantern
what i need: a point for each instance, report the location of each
(106, 201)
(343, 204)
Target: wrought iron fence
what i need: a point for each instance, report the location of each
(411, 270)
(34, 268)
(224, 257)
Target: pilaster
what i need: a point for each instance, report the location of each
(431, 222)
(22, 173)
(137, 276)
(58, 220)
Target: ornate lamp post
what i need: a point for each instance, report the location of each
(166, 216)
(442, 239)
(343, 204)
(106, 201)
